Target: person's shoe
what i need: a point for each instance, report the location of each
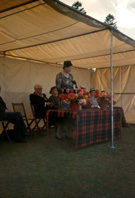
(58, 138)
(68, 138)
(27, 134)
(20, 141)
(125, 125)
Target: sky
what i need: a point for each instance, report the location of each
(122, 10)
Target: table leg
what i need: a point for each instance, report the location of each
(76, 134)
(47, 119)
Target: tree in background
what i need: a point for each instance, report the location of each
(110, 20)
(78, 6)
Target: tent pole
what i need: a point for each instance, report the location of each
(112, 129)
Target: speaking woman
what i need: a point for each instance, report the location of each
(64, 80)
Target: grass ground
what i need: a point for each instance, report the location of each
(31, 170)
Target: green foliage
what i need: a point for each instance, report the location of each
(110, 20)
(78, 6)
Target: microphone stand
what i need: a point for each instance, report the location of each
(76, 88)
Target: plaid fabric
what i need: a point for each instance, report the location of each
(62, 113)
(93, 125)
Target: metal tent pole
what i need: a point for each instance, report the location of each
(112, 129)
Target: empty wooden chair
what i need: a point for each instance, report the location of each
(4, 129)
(19, 107)
(38, 120)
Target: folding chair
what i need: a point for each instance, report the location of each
(4, 131)
(19, 107)
(38, 120)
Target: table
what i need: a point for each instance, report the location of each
(92, 125)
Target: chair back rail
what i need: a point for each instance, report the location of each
(19, 107)
(38, 120)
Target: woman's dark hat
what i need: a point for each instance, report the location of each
(52, 88)
(92, 89)
(67, 64)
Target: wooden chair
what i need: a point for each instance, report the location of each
(19, 107)
(4, 131)
(38, 120)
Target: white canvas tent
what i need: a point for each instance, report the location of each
(39, 35)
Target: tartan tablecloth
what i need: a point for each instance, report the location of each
(92, 125)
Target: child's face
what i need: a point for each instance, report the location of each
(92, 93)
(54, 92)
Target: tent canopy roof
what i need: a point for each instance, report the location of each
(50, 31)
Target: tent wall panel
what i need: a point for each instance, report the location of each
(18, 77)
(123, 84)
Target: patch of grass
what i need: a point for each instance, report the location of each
(32, 170)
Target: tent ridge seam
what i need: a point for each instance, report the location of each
(39, 44)
(39, 34)
(23, 10)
